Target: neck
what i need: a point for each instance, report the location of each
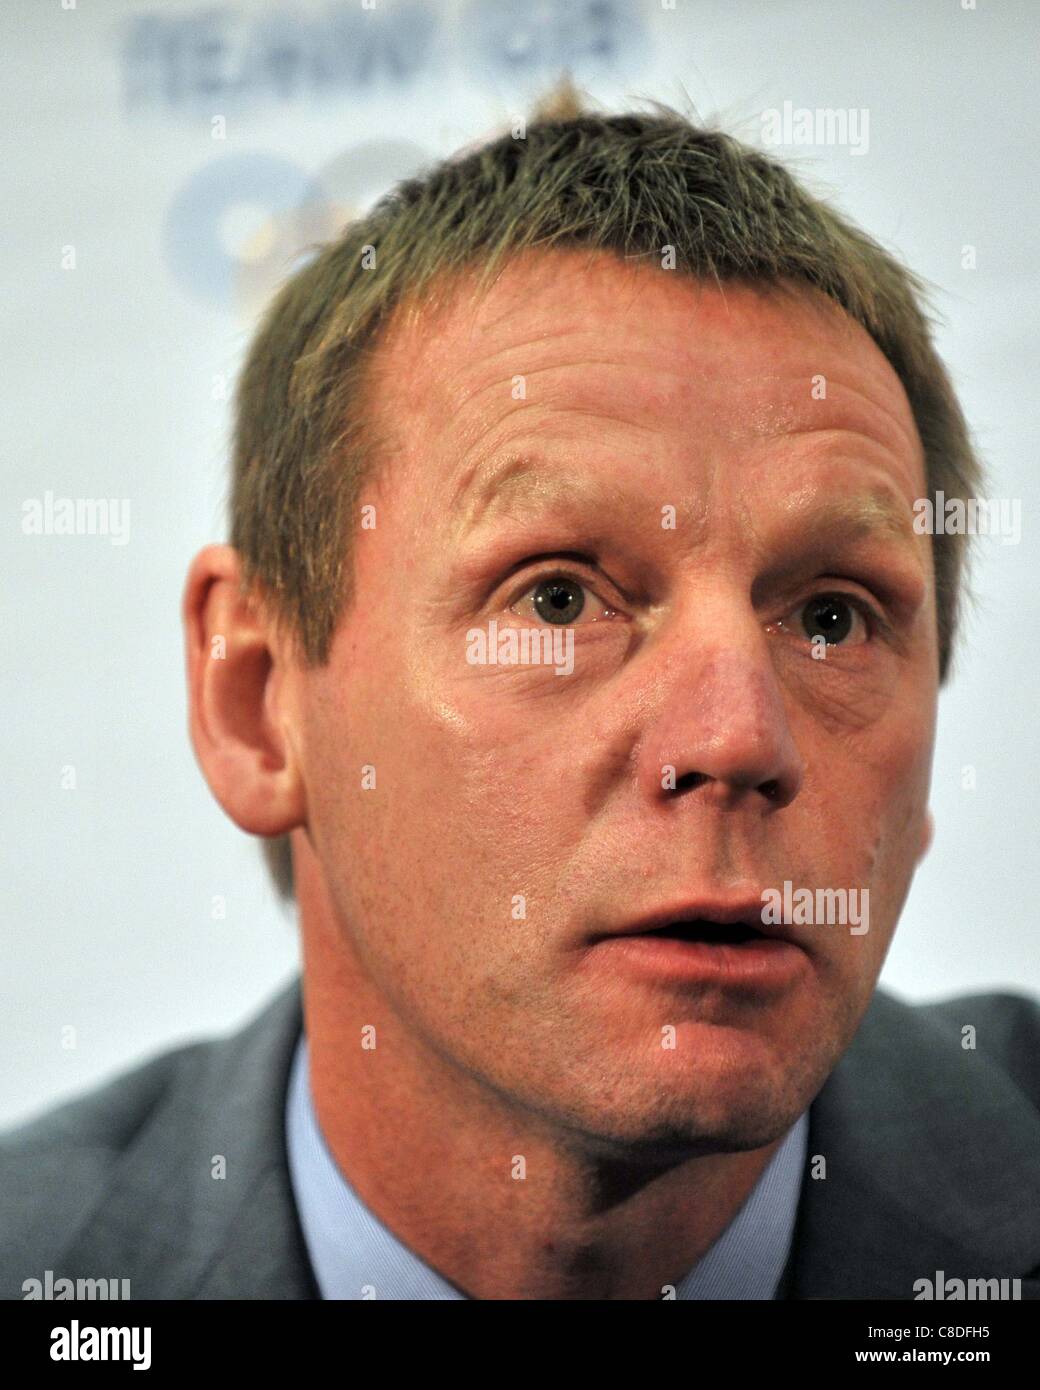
(498, 1199)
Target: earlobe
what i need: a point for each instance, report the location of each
(237, 704)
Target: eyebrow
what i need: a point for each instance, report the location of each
(879, 513)
(517, 479)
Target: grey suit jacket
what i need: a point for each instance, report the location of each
(932, 1164)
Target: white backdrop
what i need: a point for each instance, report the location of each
(156, 161)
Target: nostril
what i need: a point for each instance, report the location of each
(690, 780)
(770, 790)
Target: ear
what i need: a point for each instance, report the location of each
(240, 714)
(927, 835)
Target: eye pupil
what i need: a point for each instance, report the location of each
(831, 617)
(559, 600)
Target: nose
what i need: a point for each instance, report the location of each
(721, 729)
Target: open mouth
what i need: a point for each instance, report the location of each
(694, 950)
(708, 933)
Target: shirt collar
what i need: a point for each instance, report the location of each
(355, 1256)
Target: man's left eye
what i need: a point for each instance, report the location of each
(560, 600)
(837, 619)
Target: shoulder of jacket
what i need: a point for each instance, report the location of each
(1004, 1026)
(55, 1167)
(1001, 1028)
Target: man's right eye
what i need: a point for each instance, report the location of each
(836, 618)
(560, 599)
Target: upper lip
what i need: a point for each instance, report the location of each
(746, 910)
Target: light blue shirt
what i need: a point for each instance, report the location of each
(354, 1256)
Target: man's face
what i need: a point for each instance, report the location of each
(697, 481)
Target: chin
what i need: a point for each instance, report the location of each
(664, 1138)
(721, 1120)
(728, 1099)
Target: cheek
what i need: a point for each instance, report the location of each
(875, 820)
(901, 765)
(498, 772)
(472, 803)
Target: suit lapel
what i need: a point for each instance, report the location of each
(202, 1205)
(932, 1164)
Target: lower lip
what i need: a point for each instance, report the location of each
(763, 962)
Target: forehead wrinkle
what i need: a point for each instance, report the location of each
(504, 383)
(907, 430)
(518, 478)
(499, 472)
(543, 336)
(538, 337)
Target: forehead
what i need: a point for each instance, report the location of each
(570, 344)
